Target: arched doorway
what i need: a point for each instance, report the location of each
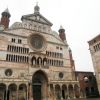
(39, 85)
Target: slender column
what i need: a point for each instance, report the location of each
(53, 92)
(80, 94)
(17, 91)
(68, 92)
(27, 93)
(84, 94)
(30, 92)
(48, 94)
(54, 97)
(61, 92)
(6, 91)
(74, 92)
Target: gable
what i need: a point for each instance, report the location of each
(37, 18)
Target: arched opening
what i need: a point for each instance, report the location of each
(45, 61)
(33, 61)
(87, 90)
(64, 91)
(76, 91)
(39, 61)
(39, 85)
(12, 91)
(70, 89)
(2, 91)
(58, 92)
(22, 92)
(51, 91)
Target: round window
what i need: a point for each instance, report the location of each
(61, 75)
(37, 42)
(8, 72)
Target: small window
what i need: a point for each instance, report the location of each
(57, 47)
(61, 75)
(19, 41)
(13, 40)
(60, 48)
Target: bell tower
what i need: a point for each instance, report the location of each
(62, 33)
(5, 18)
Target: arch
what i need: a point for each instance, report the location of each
(39, 85)
(70, 89)
(22, 92)
(64, 91)
(12, 87)
(42, 73)
(12, 91)
(22, 87)
(58, 92)
(2, 91)
(39, 61)
(57, 87)
(76, 91)
(33, 61)
(44, 61)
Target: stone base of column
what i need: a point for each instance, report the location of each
(68, 98)
(31, 99)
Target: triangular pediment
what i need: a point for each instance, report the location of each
(37, 18)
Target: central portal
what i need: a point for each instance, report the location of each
(37, 91)
(39, 85)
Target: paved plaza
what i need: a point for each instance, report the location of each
(88, 99)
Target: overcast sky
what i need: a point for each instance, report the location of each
(80, 18)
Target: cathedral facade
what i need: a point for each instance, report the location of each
(35, 62)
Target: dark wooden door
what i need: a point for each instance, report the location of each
(37, 92)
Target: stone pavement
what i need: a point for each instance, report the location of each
(87, 99)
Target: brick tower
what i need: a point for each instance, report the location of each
(5, 18)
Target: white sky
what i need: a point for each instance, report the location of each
(80, 18)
